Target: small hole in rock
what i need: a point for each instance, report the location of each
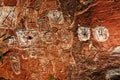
(29, 37)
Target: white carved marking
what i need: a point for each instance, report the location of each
(27, 37)
(11, 40)
(15, 63)
(7, 12)
(57, 16)
(83, 33)
(100, 33)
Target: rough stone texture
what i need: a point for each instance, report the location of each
(10, 2)
(43, 34)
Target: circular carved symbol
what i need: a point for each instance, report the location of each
(100, 33)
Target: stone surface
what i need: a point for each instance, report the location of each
(43, 39)
(10, 2)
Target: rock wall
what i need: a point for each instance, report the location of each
(59, 39)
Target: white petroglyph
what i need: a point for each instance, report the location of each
(7, 13)
(33, 53)
(15, 63)
(24, 56)
(84, 33)
(27, 37)
(11, 40)
(56, 16)
(101, 33)
(47, 37)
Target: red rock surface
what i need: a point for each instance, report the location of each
(10, 2)
(44, 37)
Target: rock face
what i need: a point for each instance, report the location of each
(10, 2)
(59, 39)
